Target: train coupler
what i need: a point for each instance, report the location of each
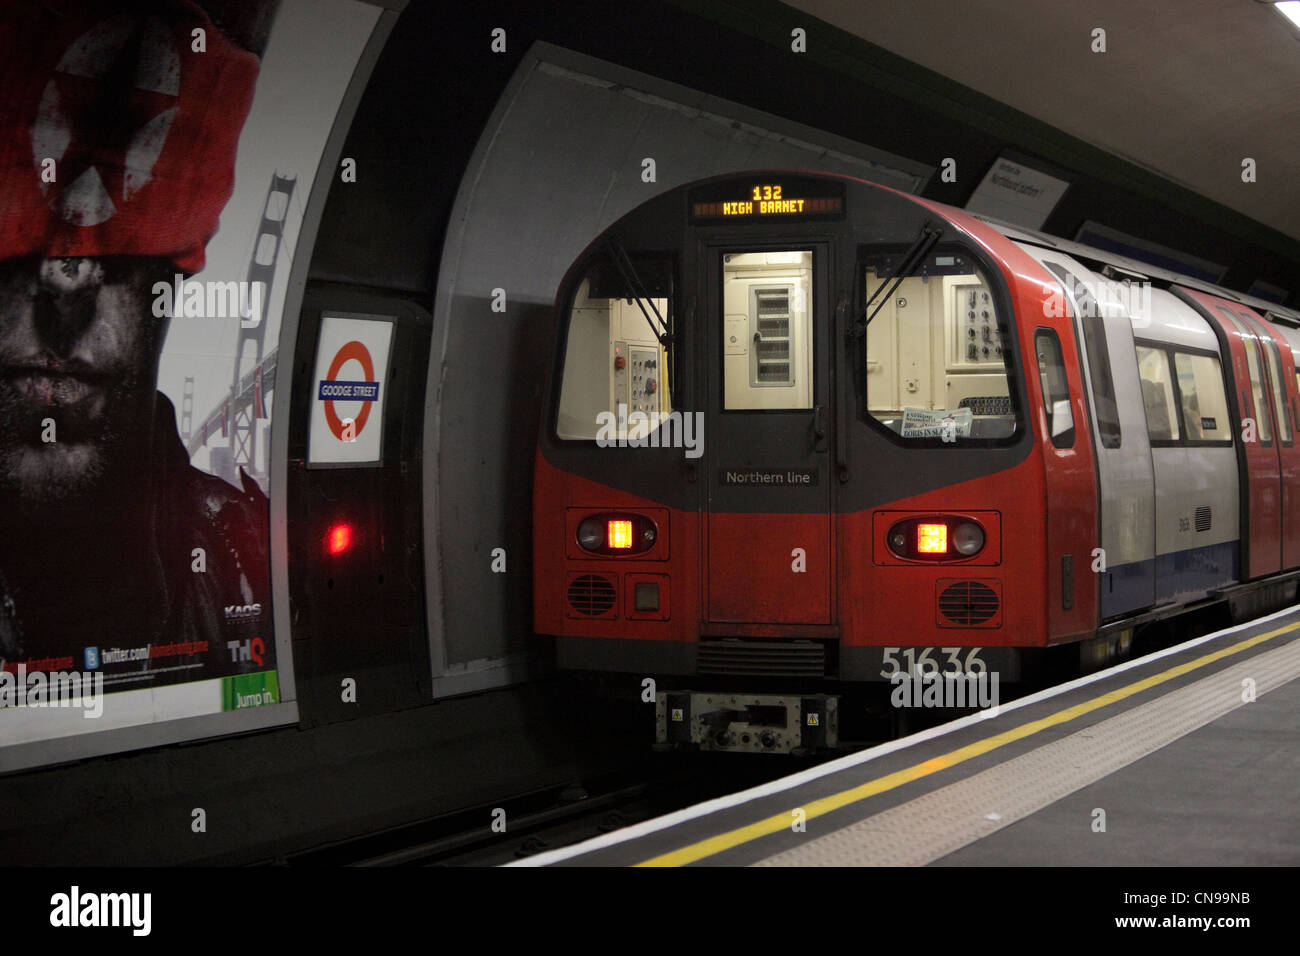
(747, 723)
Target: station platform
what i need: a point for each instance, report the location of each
(1189, 756)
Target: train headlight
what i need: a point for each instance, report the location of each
(968, 538)
(620, 534)
(591, 534)
(932, 538)
(936, 538)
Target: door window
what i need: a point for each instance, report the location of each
(1093, 324)
(1258, 399)
(1158, 393)
(1279, 395)
(767, 330)
(1056, 392)
(1204, 403)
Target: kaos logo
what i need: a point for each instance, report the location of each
(249, 650)
(239, 613)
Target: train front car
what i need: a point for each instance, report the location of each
(803, 434)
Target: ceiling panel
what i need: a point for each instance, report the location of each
(1186, 89)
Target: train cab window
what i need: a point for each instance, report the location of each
(938, 350)
(1158, 393)
(616, 378)
(1056, 391)
(767, 321)
(1202, 397)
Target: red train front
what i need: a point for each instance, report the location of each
(791, 444)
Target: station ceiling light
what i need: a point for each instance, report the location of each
(1289, 9)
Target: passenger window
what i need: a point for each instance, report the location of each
(1204, 402)
(937, 352)
(767, 354)
(615, 381)
(1157, 393)
(1085, 307)
(1056, 392)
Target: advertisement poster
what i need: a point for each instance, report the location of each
(156, 162)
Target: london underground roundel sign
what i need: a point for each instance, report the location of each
(347, 407)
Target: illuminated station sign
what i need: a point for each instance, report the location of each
(767, 198)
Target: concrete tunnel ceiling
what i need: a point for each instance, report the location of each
(1185, 90)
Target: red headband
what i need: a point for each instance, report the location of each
(142, 130)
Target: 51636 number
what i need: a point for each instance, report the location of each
(934, 660)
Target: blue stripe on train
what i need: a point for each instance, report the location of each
(1180, 576)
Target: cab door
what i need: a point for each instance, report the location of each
(1104, 333)
(769, 553)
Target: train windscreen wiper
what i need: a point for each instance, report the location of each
(911, 261)
(623, 263)
(662, 329)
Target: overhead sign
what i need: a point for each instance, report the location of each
(347, 410)
(1015, 193)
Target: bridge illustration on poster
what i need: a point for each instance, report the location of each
(236, 416)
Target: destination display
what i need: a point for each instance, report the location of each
(772, 197)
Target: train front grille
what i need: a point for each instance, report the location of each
(967, 603)
(759, 658)
(592, 594)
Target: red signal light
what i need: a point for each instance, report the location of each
(339, 538)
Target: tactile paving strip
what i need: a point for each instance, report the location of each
(948, 819)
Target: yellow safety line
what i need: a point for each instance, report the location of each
(782, 821)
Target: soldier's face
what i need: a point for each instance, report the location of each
(79, 349)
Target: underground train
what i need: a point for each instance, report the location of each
(803, 432)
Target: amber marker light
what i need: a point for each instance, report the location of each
(619, 534)
(932, 538)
